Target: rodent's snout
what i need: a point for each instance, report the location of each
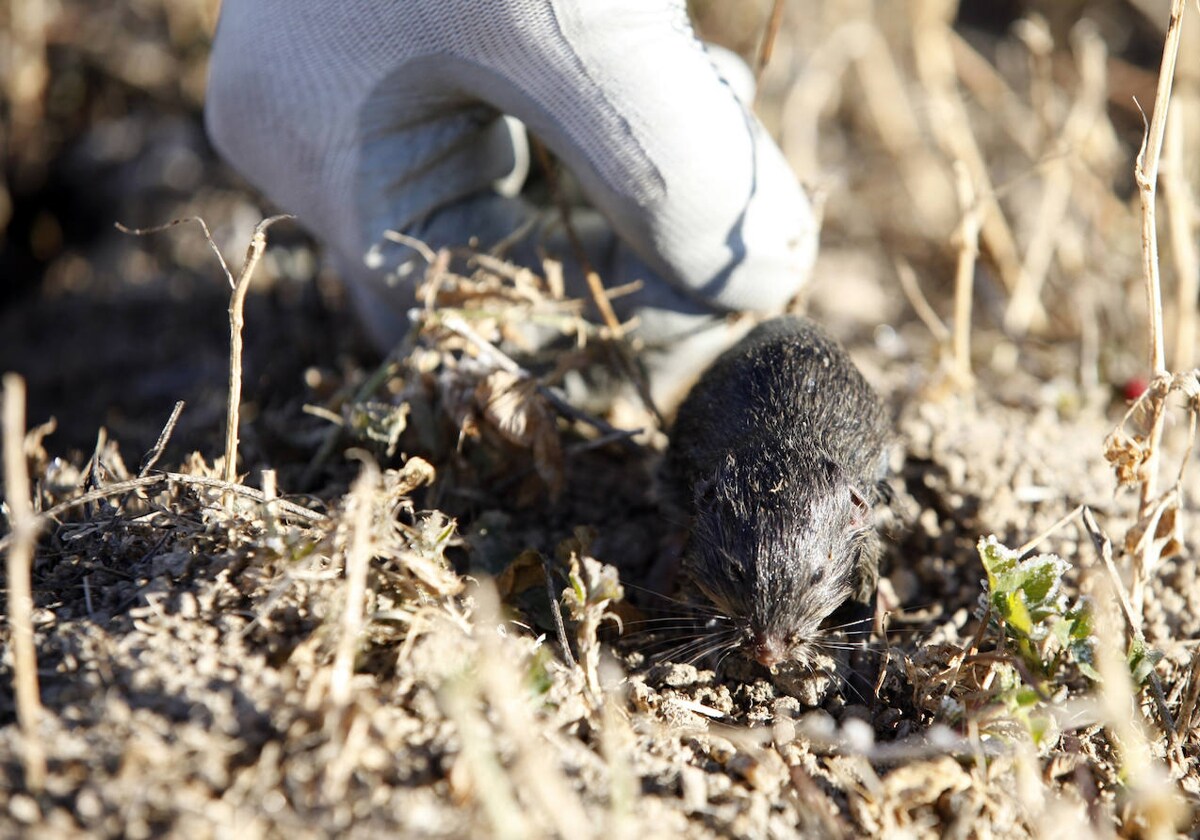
(767, 649)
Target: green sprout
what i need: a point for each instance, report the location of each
(1027, 597)
(1048, 629)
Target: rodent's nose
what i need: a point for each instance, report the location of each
(766, 649)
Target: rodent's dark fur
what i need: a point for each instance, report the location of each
(776, 454)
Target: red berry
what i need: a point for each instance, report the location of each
(1134, 387)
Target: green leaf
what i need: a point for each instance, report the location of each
(1026, 697)
(1081, 620)
(1041, 728)
(1061, 632)
(539, 678)
(1089, 671)
(997, 558)
(1041, 577)
(1023, 592)
(380, 422)
(578, 588)
(1016, 614)
(1142, 658)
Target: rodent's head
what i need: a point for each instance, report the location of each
(778, 553)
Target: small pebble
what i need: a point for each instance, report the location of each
(783, 731)
(859, 736)
(720, 750)
(24, 809)
(88, 805)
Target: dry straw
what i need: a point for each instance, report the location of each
(23, 531)
(1155, 513)
(237, 321)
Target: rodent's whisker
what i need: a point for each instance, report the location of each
(695, 607)
(849, 684)
(674, 622)
(670, 644)
(853, 623)
(723, 657)
(914, 612)
(838, 641)
(700, 643)
(848, 648)
(844, 684)
(855, 638)
(678, 651)
(856, 641)
(647, 590)
(695, 649)
(706, 652)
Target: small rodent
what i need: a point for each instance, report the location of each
(776, 454)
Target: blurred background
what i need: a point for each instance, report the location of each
(877, 103)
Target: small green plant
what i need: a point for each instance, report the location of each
(1048, 629)
(1029, 604)
(1142, 658)
(593, 587)
(379, 422)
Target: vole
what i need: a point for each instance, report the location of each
(776, 454)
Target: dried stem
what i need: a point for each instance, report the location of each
(556, 611)
(1152, 800)
(897, 126)
(920, 303)
(968, 253)
(601, 299)
(1146, 175)
(207, 238)
(161, 444)
(767, 47)
(358, 557)
(1033, 543)
(491, 786)
(27, 71)
(24, 526)
(1086, 111)
(934, 51)
(237, 302)
(1132, 614)
(543, 786)
(595, 285)
(496, 356)
(1103, 545)
(417, 245)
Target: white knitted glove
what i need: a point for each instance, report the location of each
(361, 116)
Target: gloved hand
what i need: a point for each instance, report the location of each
(361, 116)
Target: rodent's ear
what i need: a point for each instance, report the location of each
(703, 490)
(861, 515)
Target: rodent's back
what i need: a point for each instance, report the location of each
(786, 385)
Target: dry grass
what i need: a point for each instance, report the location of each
(17, 574)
